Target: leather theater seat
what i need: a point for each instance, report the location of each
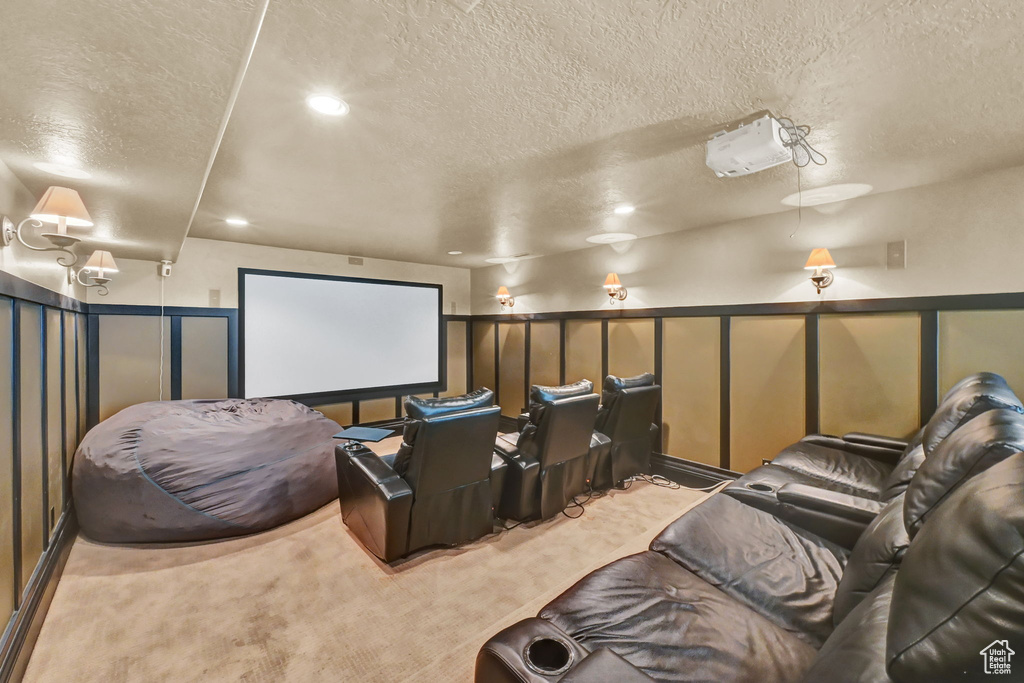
(440, 488)
(552, 459)
(629, 408)
(729, 592)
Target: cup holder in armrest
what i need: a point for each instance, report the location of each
(548, 656)
(759, 487)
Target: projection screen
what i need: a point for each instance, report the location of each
(309, 336)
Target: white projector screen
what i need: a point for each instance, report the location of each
(306, 335)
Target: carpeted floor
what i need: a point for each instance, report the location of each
(306, 603)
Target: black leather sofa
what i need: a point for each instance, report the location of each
(629, 408)
(729, 592)
(835, 486)
(442, 486)
(552, 459)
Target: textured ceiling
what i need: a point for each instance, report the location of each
(513, 128)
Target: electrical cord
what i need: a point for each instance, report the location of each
(794, 137)
(161, 380)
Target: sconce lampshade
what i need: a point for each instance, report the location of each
(62, 202)
(612, 281)
(503, 291)
(820, 258)
(102, 260)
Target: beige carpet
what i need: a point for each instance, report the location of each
(306, 603)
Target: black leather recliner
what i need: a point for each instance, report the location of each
(629, 407)
(552, 459)
(729, 592)
(440, 488)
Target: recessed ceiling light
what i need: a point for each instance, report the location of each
(827, 194)
(327, 104)
(454, 253)
(624, 209)
(611, 237)
(62, 170)
(237, 222)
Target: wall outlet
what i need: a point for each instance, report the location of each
(214, 298)
(896, 255)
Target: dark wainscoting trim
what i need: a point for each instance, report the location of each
(688, 472)
(23, 629)
(16, 288)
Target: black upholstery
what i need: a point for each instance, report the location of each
(439, 489)
(629, 407)
(552, 459)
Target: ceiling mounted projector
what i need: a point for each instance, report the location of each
(748, 149)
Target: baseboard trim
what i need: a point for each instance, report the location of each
(688, 472)
(507, 424)
(20, 636)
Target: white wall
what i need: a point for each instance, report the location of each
(211, 264)
(963, 237)
(39, 267)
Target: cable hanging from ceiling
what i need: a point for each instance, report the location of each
(794, 137)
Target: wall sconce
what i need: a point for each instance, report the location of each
(504, 298)
(60, 205)
(820, 262)
(612, 285)
(101, 262)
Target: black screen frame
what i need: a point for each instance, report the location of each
(345, 395)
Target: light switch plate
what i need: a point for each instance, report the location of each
(214, 298)
(896, 255)
(355, 260)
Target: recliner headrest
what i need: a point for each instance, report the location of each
(613, 383)
(974, 380)
(421, 408)
(543, 394)
(960, 407)
(981, 443)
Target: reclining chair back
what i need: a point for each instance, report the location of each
(448, 453)
(629, 407)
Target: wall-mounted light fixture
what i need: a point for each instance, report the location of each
(820, 262)
(96, 271)
(59, 205)
(504, 298)
(613, 285)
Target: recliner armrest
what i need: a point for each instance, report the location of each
(604, 666)
(518, 499)
(522, 421)
(503, 658)
(876, 440)
(831, 502)
(375, 502)
(882, 454)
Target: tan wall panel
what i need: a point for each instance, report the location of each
(691, 353)
(339, 412)
(483, 355)
(30, 401)
(975, 341)
(545, 352)
(583, 351)
(766, 387)
(870, 373)
(130, 361)
(204, 357)
(457, 380)
(7, 586)
(377, 409)
(54, 426)
(83, 343)
(512, 368)
(630, 347)
(70, 395)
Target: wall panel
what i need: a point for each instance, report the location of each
(70, 392)
(130, 361)
(545, 352)
(83, 413)
(870, 373)
(377, 409)
(483, 355)
(630, 347)
(583, 351)
(30, 370)
(766, 387)
(691, 355)
(204, 357)
(54, 426)
(512, 368)
(974, 341)
(7, 537)
(457, 381)
(339, 412)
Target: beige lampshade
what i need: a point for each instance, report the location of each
(62, 202)
(503, 291)
(102, 260)
(612, 281)
(820, 258)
